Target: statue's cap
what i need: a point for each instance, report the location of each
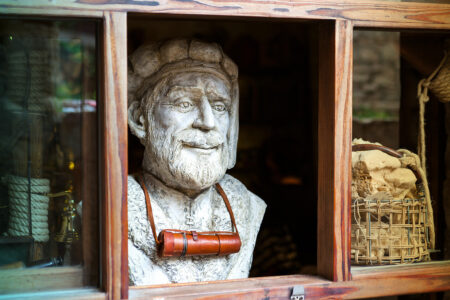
(153, 61)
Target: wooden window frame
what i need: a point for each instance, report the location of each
(337, 279)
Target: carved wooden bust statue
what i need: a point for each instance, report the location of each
(183, 106)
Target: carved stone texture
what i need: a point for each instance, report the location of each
(183, 107)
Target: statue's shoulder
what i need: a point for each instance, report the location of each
(136, 203)
(136, 197)
(135, 192)
(236, 191)
(247, 207)
(132, 181)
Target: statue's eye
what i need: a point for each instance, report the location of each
(184, 105)
(219, 107)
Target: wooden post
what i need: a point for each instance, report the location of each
(114, 134)
(334, 149)
(89, 192)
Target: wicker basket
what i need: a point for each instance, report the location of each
(390, 231)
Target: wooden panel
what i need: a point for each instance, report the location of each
(13, 281)
(254, 288)
(334, 149)
(401, 279)
(79, 294)
(89, 194)
(363, 13)
(368, 283)
(49, 11)
(115, 259)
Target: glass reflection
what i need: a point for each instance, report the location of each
(48, 143)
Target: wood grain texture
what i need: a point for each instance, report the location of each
(334, 149)
(402, 279)
(368, 283)
(89, 194)
(362, 13)
(23, 280)
(115, 260)
(79, 294)
(47, 11)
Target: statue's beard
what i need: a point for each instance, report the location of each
(177, 160)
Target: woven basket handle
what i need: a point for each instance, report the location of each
(367, 147)
(387, 150)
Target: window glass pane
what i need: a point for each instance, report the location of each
(400, 198)
(275, 153)
(48, 149)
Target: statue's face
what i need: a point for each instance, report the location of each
(188, 124)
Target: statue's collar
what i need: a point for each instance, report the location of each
(155, 185)
(174, 203)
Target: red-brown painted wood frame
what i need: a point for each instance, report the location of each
(363, 13)
(115, 153)
(367, 282)
(334, 149)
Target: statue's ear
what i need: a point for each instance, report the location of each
(136, 121)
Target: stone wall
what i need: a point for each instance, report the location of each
(376, 71)
(376, 86)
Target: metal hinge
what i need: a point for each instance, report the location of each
(298, 293)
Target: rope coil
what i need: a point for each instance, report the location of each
(18, 189)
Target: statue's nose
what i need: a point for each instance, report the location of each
(205, 119)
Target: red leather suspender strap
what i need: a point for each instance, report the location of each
(150, 211)
(227, 203)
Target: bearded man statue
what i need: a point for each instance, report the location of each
(183, 107)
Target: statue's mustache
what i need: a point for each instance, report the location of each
(198, 139)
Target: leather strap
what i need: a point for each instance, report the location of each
(227, 203)
(150, 211)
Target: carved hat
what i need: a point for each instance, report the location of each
(151, 63)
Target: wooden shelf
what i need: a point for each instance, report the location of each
(367, 282)
(55, 278)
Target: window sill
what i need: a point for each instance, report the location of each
(82, 294)
(367, 282)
